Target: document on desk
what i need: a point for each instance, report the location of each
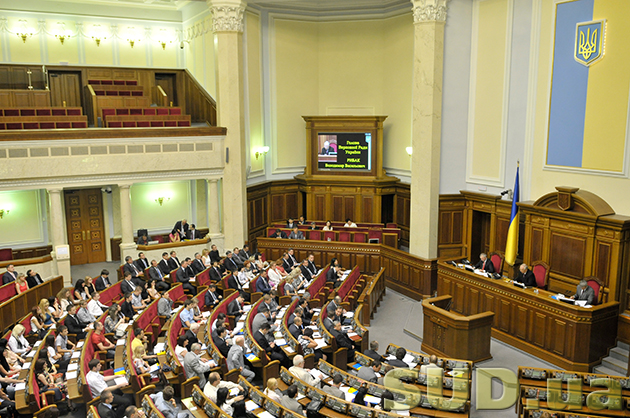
(264, 414)
(246, 308)
(320, 342)
(76, 354)
(73, 366)
(251, 405)
(71, 375)
(121, 381)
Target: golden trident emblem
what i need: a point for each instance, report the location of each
(588, 43)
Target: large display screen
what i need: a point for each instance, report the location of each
(344, 151)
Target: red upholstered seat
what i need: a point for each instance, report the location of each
(62, 125)
(11, 112)
(143, 124)
(123, 112)
(315, 235)
(344, 236)
(360, 237)
(329, 235)
(156, 124)
(175, 111)
(131, 82)
(598, 288)
(150, 111)
(31, 125)
(3, 126)
(114, 124)
(44, 112)
(183, 123)
(129, 124)
(14, 125)
(47, 125)
(27, 112)
(111, 93)
(162, 111)
(136, 93)
(119, 82)
(135, 111)
(99, 92)
(170, 123)
(94, 82)
(271, 231)
(497, 261)
(108, 112)
(79, 124)
(541, 272)
(124, 93)
(107, 82)
(73, 112)
(59, 112)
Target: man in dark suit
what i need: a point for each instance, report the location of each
(262, 283)
(236, 257)
(398, 361)
(142, 263)
(274, 352)
(173, 261)
(103, 281)
(328, 321)
(156, 275)
(229, 262)
(215, 272)
(296, 328)
(33, 278)
(214, 254)
(307, 312)
(212, 297)
(219, 341)
(131, 268)
(327, 149)
(10, 275)
(234, 283)
(127, 285)
(278, 233)
(372, 352)
(197, 264)
(235, 308)
(343, 341)
(126, 308)
(164, 265)
(525, 276)
(332, 277)
(311, 265)
(484, 264)
(191, 335)
(306, 273)
(182, 228)
(105, 408)
(184, 278)
(75, 326)
(244, 253)
(584, 292)
(291, 223)
(193, 233)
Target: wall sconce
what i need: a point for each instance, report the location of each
(63, 34)
(98, 40)
(161, 200)
(409, 150)
(24, 32)
(163, 43)
(132, 42)
(261, 151)
(4, 212)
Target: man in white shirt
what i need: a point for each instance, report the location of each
(98, 383)
(350, 224)
(95, 307)
(215, 383)
(301, 373)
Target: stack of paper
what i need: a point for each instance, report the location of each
(251, 405)
(71, 375)
(73, 366)
(121, 381)
(76, 354)
(80, 344)
(320, 342)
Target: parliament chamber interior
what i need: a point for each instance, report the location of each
(272, 208)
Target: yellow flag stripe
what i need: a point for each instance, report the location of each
(512, 242)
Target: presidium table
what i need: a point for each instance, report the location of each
(569, 336)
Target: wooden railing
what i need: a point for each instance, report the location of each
(199, 104)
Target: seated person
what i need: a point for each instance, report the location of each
(215, 383)
(525, 276)
(98, 385)
(328, 226)
(291, 223)
(309, 345)
(372, 352)
(101, 343)
(333, 389)
(432, 363)
(484, 264)
(584, 292)
(398, 361)
(350, 224)
(278, 234)
(290, 402)
(296, 234)
(342, 339)
(212, 297)
(143, 240)
(370, 374)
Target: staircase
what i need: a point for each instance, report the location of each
(616, 363)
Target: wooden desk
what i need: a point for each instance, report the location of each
(451, 334)
(572, 337)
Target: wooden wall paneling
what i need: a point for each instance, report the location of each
(459, 298)
(559, 329)
(504, 315)
(501, 232)
(5, 78)
(291, 204)
(537, 332)
(319, 208)
(567, 255)
(367, 215)
(603, 253)
(337, 207)
(473, 301)
(277, 208)
(22, 99)
(521, 321)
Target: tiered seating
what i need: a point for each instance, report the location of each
(533, 387)
(371, 296)
(199, 401)
(145, 117)
(42, 118)
(270, 368)
(113, 82)
(363, 233)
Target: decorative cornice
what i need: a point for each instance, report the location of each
(429, 11)
(227, 18)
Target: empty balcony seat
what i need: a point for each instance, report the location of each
(156, 123)
(124, 93)
(123, 111)
(107, 82)
(175, 111)
(143, 124)
(31, 125)
(119, 82)
(131, 82)
(162, 111)
(183, 123)
(73, 112)
(94, 82)
(27, 112)
(11, 112)
(63, 125)
(136, 93)
(129, 124)
(47, 125)
(14, 125)
(44, 112)
(170, 123)
(135, 111)
(150, 111)
(99, 92)
(79, 124)
(114, 124)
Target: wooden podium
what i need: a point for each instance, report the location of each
(449, 334)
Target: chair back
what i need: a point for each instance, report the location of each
(6, 254)
(360, 236)
(315, 235)
(541, 272)
(598, 288)
(329, 235)
(497, 261)
(344, 236)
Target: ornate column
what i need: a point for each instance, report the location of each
(429, 17)
(61, 250)
(127, 245)
(213, 208)
(227, 25)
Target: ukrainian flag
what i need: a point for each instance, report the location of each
(511, 247)
(590, 90)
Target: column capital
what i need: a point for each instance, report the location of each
(212, 180)
(227, 15)
(124, 186)
(55, 190)
(429, 10)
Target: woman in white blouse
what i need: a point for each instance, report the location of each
(17, 342)
(205, 257)
(271, 391)
(328, 226)
(180, 348)
(224, 403)
(274, 275)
